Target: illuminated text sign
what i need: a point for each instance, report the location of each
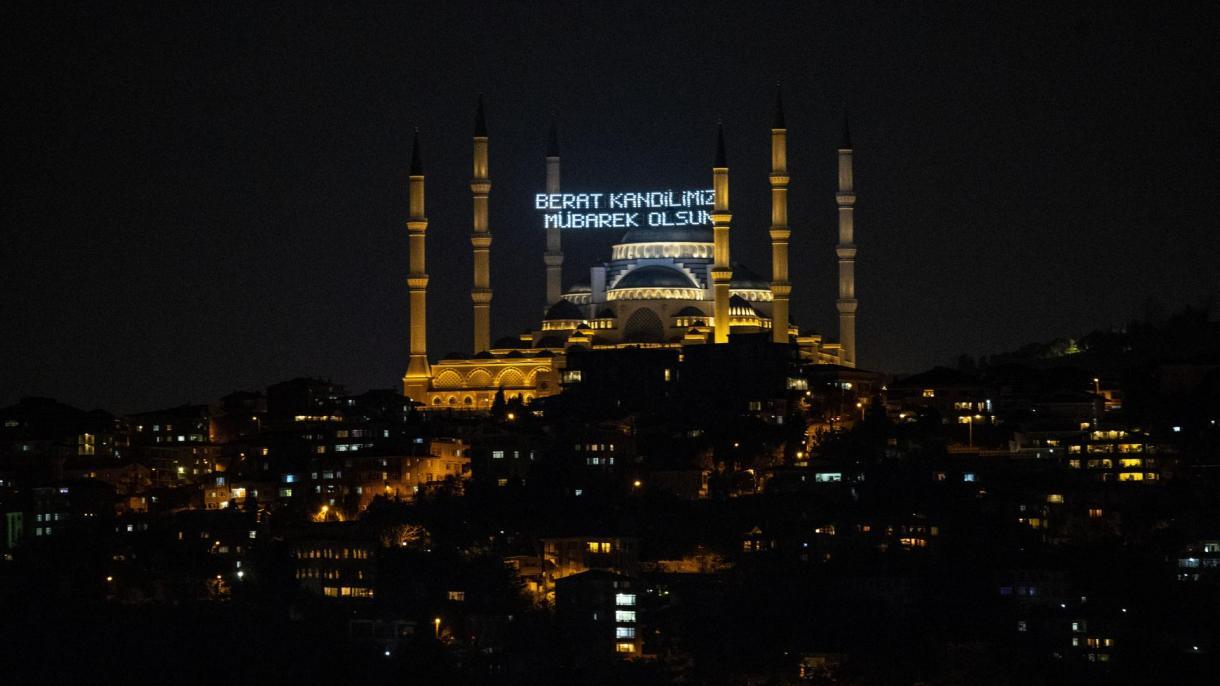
(624, 210)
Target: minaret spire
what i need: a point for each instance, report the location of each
(722, 273)
(480, 238)
(416, 382)
(781, 288)
(553, 257)
(846, 249)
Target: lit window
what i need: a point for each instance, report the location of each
(624, 599)
(929, 393)
(624, 647)
(624, 615)
(624, 632)
(497, 454)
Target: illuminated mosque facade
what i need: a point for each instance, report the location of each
(660, 287)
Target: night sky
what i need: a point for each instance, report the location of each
(208, 198)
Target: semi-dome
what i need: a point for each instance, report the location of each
(740, 307)
(655, 276)
(746, 279)
(563, 310)
(689, 311)
(670, 234)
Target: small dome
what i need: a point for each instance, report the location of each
(563, 310)
(679, 234)
(689, 311)
(744, 278)
(654, 276)
(740, 307)
(580, 288)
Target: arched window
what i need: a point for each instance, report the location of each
(511, 378)
(448, 379)
(644, 326)
(479, 378)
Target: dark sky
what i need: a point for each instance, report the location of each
(210, 197)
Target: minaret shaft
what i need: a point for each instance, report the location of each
(781, 288)
(846, 250)
(722, 272)
(419, 373)
(553, 258)
(480, 240)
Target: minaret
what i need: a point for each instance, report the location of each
(781, 288)
(722, 272)
(554, 251)
(480, 239)
(419, 373)
(846, 250)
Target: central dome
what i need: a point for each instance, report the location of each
(669, 234)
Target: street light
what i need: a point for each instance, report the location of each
(436, 628)
(970, 427)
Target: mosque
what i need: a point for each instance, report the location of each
(660, 287)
